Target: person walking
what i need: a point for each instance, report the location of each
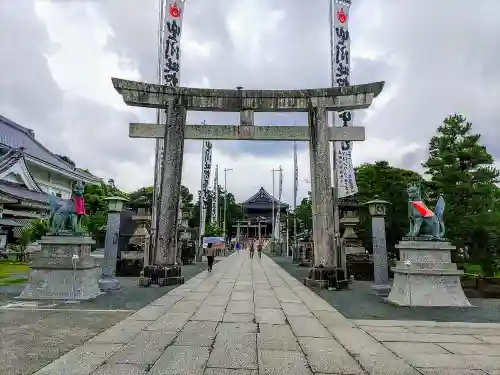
(210, 256)
(252, 249)
(259, 249)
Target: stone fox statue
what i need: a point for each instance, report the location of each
(424, 222)
(66, 214)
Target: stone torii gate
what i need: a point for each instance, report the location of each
(316, 102)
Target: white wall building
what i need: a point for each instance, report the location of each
(28, 173)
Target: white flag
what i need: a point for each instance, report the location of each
(341, 74)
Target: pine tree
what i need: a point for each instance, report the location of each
(462, 170)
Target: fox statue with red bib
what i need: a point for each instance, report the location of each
(423, 221)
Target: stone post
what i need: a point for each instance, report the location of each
(378, 211)
(166, 251)
(108, 279)
(322, 208)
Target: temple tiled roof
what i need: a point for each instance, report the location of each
(10, 158)
(14, 136)
(20, 192)
(263, 200)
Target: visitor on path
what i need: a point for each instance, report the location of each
(259, 249)
(210, 256)
(252, 249)
(238, 247)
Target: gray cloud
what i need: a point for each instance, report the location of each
(27, 92)
(437, 58)
(443, 65)
(296, 55)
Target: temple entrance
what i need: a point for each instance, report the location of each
(315, 102)
(260, 209)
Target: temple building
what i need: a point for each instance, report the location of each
(259, 214)
(28, 173)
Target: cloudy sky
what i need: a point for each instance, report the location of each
(58, 56)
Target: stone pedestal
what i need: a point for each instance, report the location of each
(324, 277)
(161, 276)
(55, 275)
(425, 276)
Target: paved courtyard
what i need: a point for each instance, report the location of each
(250, 317)
(359, 302)
(33, 334)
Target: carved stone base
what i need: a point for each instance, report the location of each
(144, 281)
(161, 276)
(56, 275)
(425, 276)
(325, 277)
(167, 281)
(381, 290)
(108, 284)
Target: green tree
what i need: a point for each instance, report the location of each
(462, 170)
(95, 198)
(304, 214)
(212, 230)
(97, 207)
(143, 197)
(31, 233)
(233, 211)
(390, 184)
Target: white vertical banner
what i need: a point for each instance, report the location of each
(295, 191)
(171, 12)
(277, 225)
(341, 74)
(215, 199)
(205, 179)
(295, 176)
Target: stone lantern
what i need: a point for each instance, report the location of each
(349, 221)
(108, 279)
(378, 210)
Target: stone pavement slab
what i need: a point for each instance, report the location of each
(440, 347)
(251, 317)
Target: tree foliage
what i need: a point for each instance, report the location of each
(461, 169)
(96, 207)
(304, 214)
(387, 183)
(143, 197)
(212, 230)
(33, 232)
(233, 212)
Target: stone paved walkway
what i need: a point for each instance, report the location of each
(250, 317)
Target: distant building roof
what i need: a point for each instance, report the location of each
(13, 135)
(10, 158)
(18, 191)
(263, 200)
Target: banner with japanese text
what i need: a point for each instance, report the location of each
(341, 74)
(205, 180)
(215, 198)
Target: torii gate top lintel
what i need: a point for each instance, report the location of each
(150, 95)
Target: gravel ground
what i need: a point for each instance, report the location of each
(30, 339)
(358, 302)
